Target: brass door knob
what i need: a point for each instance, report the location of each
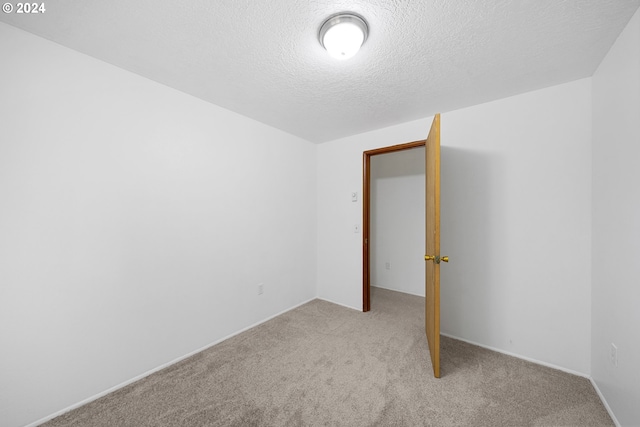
(429, 257)
(444, 259)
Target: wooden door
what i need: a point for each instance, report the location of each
(432, 254)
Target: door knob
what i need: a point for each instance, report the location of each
(436, 258)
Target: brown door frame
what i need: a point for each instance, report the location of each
(366, 212)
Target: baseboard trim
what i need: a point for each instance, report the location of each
(337, 303)
(156, 369)
(179, 359)
(519, 356)
(549, 365)
(604, 402)
(397, 290)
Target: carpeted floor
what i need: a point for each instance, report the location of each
(323, 364)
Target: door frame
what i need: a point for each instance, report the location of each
(366, 212)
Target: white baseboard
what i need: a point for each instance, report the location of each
(519, 356)
(604, 402)
(156, 369)
(397, 290)
(337, 303)
(549, 365)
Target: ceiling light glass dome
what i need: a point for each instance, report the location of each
(343, 34)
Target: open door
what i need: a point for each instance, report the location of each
(432, 245)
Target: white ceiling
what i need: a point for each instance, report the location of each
(262, 59)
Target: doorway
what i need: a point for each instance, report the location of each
(371, 248)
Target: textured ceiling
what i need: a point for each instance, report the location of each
(262, 58)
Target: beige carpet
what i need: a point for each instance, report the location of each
(323, 364)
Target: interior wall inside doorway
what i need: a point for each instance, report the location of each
(398, 220)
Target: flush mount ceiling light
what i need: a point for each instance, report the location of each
(343, 34)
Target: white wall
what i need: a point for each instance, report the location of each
(135, 225)
(516, 197)
(397, 221)
(515, 221)
(616, 225)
